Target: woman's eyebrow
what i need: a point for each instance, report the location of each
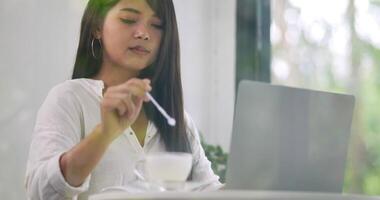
(131, 10)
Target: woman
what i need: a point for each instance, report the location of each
(91, 130)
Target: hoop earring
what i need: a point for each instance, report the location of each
(92, 47)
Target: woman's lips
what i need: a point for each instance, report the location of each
(140, 50)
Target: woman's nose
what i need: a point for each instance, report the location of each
(141, 33)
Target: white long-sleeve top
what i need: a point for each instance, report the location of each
(72, 110)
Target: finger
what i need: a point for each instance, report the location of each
(147, 84)
(139, 105)
(146, 99)
(144, 81)
(111, 104)
(131, 89)
(117, 95)
(138, 91)
(127, 98)
(119, 104)
(144, 84)
(130, 108)
(136, 87)
(122, 108)
(128, 95)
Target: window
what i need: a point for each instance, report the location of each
(334, 46)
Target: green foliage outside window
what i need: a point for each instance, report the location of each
(332, 46)
(218, 159)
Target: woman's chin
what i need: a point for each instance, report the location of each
(135, 66)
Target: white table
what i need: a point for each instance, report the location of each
(231, 194)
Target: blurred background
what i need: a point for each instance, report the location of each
(323, 45)
(335, 46)
(38, 41)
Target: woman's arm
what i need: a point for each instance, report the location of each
(202, 171)
(120, 107)
(79, 162)
(57, 129)
(60, 163)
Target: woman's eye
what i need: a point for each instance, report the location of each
(128, 21)
(158, 26)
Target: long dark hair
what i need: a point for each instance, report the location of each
(164, 73)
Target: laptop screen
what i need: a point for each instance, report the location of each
(288, 139)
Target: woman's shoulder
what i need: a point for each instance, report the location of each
(191, 128)
(76, 87)
(71, 91)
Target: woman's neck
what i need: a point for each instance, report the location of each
(112, 74)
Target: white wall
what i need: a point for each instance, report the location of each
(38, 41)
(207, 34)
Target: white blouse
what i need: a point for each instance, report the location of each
(72, 110)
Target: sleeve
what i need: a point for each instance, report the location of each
(202, 171)
(57, 130)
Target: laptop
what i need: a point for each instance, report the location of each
(288, 139)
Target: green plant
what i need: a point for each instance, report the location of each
(217, 157)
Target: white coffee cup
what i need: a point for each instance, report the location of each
(168, 166)
(166, 170)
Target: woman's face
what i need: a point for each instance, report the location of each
(131, 35)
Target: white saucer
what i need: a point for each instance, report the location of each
(140, 186)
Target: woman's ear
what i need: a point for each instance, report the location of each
(98, 34)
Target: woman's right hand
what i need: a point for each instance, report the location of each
(121, 105)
